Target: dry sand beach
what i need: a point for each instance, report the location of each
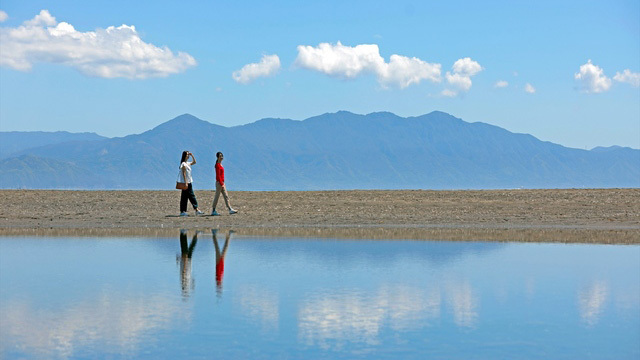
(573, 215)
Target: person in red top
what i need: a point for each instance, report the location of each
(220, 187)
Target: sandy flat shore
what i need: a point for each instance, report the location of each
(574, 215)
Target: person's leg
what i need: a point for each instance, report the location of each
(183, 201)
(226, 244)
(192, 198)
(216, 197)
(184, 247)
(194, 241)
(226, 197)
(214, 233)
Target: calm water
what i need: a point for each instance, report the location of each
(306, 298)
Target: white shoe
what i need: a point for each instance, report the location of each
(231, 211)
(198, 212)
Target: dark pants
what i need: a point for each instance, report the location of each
(185, 248)
(188, 194)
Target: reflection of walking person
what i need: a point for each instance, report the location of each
(220, 257)
(220, 186)
(184, 176)
(186, 251)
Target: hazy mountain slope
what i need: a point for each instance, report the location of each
(14, 141)
(30, 171)
(346, 151)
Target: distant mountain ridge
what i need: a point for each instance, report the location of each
(15, 141)
(331, 151)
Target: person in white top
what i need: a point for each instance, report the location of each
(185, 177)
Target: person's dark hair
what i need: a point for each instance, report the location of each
(184, 156)
(218, 154)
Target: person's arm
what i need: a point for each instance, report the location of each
(184, 175)
(194, 159)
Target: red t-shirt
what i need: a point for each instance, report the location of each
(219, 173)
(219, 271)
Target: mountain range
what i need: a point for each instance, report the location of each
(332, 151)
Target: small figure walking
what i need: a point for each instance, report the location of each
(220, 187)
(185, 177)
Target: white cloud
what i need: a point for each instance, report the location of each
(592, 78)
(449, 93)
(529, 88)
(501, 84)
(466, 67)
(348, 62)
(402, 71)
(628, 77)
(44, 18)
(3, 16)
(459, 81)
(339, 60)
(460, 78)
(268, 66)
(109, 53)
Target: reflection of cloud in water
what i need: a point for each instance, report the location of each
(334, 319)
(591, 302)
(464, 304)
(260, 305)
(117, 322)
(410, 308)
(628, 301)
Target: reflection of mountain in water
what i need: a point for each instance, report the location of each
(339, 251)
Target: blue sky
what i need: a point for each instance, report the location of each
(566, 72)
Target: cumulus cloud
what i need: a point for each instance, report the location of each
(501, 84)
(459, 81)
(628, 77)
(3, 16)
(592, 78)
(268, 66)
(109, 53)
(449, 93)
(466, 67)
(338, 60)
(460, 77)
(529, 88)
(402, 71)
(348, 62)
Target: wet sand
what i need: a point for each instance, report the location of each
(573, 215)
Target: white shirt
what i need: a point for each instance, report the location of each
(187, 167)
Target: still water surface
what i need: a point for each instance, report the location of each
(252, 298)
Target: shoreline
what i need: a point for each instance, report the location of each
(603, 216)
